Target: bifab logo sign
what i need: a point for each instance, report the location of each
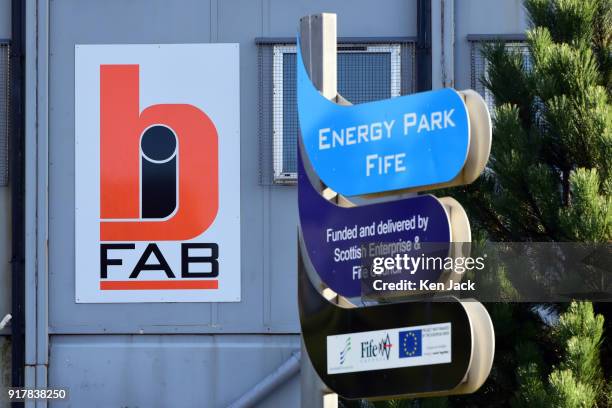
(158, 167)
(157, 173)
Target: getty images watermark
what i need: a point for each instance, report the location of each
(504, 272)
(431, 267)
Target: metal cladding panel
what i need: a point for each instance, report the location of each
(5, 19)
(268, 213)
(5, 243)
(5, 368)
(169, 370)
(140, 22)
(361, 18)
(238, 23)
(5, 196)
(5, 254)
(482, 17)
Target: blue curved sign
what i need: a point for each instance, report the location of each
(394, 144)
(341, 241)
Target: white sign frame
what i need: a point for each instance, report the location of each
(203, 75)
(345, 352)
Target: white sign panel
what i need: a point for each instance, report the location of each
(157, 173)
(393, 348)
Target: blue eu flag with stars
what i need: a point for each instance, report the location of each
(410, 343)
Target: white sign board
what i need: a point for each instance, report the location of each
(157, 173)
(393, 348)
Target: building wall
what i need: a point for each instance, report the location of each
(128, 354)
(168, 371)
(268, 245)
(195, 354)
(5, 242)
(482, 17)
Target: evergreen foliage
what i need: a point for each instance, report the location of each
(549, 178)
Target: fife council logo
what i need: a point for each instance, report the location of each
(373, 350)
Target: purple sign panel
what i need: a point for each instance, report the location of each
(342, 242)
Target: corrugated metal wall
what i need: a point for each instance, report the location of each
(268, 243)
(121, 354)
(193, 354)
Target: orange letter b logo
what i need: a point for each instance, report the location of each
(158, 167)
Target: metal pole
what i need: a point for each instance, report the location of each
(423, 46)
(31, 158)
(17, 187)
(287, 370)
(42, 187)
(443, 43)
(318, 41)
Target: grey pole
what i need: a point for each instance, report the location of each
(287, 370)
(318, 42)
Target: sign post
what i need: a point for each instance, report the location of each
(317, 32)
(411, 143)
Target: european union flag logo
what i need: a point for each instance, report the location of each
(410, 343)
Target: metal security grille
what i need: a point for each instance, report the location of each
(480, 65)
(366, 72)
(4, 112)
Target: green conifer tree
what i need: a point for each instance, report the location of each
(549, 179)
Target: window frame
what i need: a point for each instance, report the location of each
(278, 52)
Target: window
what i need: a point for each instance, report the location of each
(366, 72)
(479, 65)
(4, 112)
